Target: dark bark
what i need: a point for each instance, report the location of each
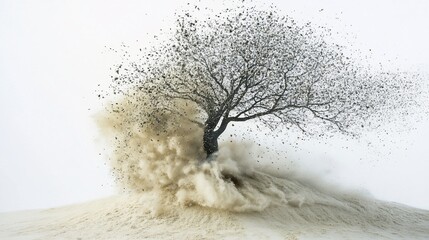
(210, 137)
(210, 142)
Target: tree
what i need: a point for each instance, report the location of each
(246, 63)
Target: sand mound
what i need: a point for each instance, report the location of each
(307, 213)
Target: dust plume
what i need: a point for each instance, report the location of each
(161, 152)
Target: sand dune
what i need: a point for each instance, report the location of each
(307, 213)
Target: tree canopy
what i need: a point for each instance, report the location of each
(245, 63)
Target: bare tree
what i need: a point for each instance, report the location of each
(245, 63)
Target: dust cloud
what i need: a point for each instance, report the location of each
(162, 153)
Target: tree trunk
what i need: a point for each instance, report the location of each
(211, 136)
(210, 142)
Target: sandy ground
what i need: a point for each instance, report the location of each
(308, 214)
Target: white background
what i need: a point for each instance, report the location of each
(53, 56)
